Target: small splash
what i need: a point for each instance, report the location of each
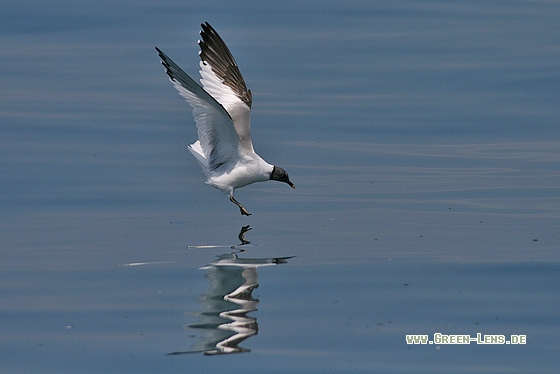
(207, 246)
(149, 263)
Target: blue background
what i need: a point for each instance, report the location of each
(422, 137)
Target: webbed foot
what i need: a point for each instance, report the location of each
(244, 212)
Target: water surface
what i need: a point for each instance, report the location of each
(422, 137)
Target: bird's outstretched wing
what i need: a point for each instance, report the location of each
(216, 132)
(222, 79)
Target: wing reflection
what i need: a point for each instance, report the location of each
(223, 318)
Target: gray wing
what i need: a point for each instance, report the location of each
(218, 139)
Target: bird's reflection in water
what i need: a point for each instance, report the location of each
(223, 319)
(241, 235)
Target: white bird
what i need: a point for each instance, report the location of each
(222, 110)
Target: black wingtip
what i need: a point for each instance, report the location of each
(208, 30)
(161, 54)
(165, 63)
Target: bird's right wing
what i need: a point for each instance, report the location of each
(216, 132)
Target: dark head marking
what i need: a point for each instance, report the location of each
(279, 174)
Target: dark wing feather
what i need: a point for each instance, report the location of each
(214, 51)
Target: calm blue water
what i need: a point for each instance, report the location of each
(424, 141)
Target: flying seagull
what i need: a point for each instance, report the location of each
(222, 111)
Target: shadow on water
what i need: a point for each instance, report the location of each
(224, 319)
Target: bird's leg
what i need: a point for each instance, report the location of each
(244, 211)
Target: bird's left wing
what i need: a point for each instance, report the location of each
(222, 79)
(218, 139)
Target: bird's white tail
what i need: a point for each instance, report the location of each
(197, 152)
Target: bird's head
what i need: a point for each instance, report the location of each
(279, 174)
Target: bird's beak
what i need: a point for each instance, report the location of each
(292, 185)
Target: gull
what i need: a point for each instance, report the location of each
(222, 110)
